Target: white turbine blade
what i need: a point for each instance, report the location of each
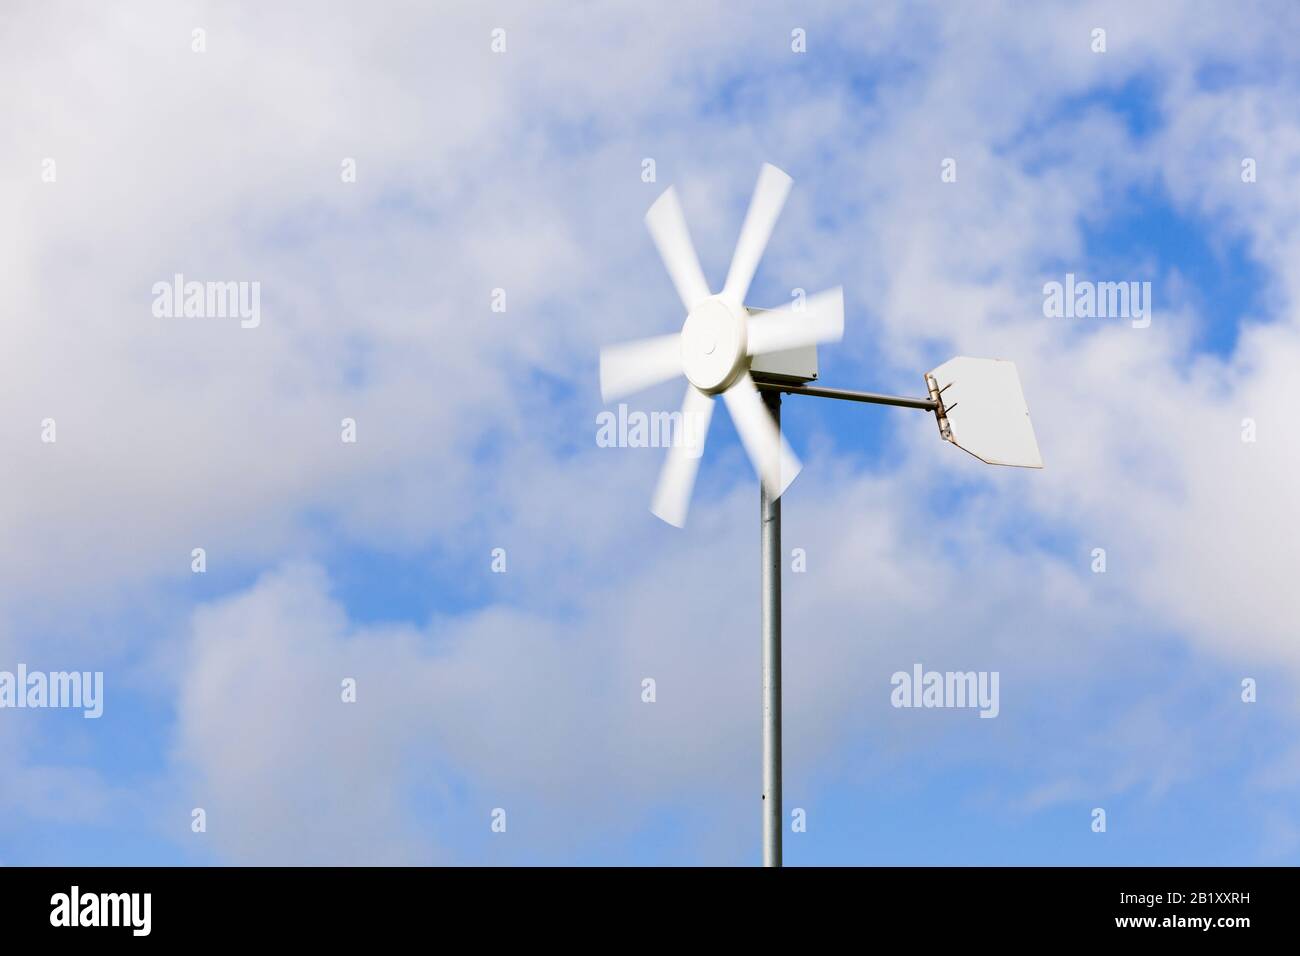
(632, 366)
(772, 456)
(677, 479)
(821, 319)
(769, 196)
(668, 229)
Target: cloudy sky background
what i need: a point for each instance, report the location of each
(476, 430)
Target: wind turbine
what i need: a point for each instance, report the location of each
(749, 357)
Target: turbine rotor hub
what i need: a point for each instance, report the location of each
(714, 343)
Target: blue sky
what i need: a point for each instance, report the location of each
(522, 170)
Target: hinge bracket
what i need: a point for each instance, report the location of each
(940, 413)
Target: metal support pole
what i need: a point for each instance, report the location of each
(771, 639)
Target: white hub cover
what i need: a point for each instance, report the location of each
(714, 345)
